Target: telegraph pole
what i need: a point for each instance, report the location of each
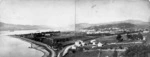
(75, 17)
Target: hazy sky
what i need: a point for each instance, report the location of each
(38, 12)
(61, 13)
(102, 11)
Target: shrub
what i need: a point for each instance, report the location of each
(137, 51)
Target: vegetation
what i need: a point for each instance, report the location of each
(138, 51)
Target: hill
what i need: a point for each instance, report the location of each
(121, 24)
(12, 27)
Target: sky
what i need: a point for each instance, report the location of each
(37, 12)
(63, 13)
(105, 11)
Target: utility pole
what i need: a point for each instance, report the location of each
(75, 17)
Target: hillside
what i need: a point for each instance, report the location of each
(12, 27)
(121, 24)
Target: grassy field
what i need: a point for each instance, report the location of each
(95, 53)
(83, 54)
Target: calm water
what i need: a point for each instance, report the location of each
(13, 47)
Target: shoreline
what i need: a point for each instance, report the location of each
(36, 47)
(45, 46)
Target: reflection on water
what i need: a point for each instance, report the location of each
(13, 47)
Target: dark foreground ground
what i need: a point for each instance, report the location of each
(111, 53)
(83, 54)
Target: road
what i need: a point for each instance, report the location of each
(64, 51)
(48, 48)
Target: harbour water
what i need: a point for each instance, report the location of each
(14, 47)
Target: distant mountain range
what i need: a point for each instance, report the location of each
(80, 26)
(12, 27)
(120, 24)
